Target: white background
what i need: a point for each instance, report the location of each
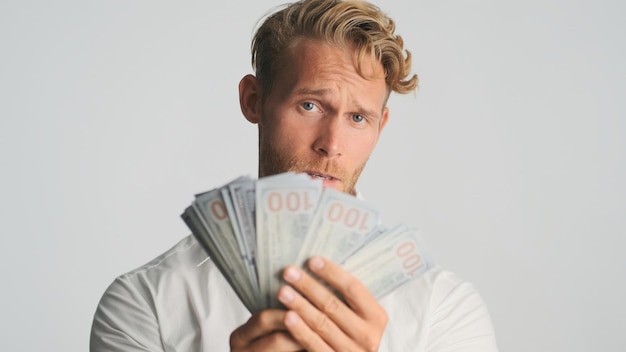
(511, 157)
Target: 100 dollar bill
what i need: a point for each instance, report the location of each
(252, 229)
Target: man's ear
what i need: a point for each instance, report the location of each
(250, 98)
(384, 118)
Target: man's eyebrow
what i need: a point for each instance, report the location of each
(323, 91)
(307, 91)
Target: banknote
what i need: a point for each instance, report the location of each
(198, 228)
(285, 205)
(390, 260)
(342, 223)
(253, 228)
(210, 205)
(241, 232)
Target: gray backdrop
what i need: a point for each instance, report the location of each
(511, 156)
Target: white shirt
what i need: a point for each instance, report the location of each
(181, 302)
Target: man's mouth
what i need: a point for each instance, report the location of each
(321, 176)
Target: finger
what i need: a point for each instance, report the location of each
(321, 312)
(356, 295)
(308, 338)
(317, 293)
(359, 299)
(276, 341)
(259, 324)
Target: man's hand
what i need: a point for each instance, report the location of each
(316, 319)
(319, 321)
(264, 331)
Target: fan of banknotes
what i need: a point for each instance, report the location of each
(253, 228)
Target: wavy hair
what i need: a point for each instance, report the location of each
(337, 22)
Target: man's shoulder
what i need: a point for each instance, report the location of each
(439, 288)
(180, 271)
(432, 287)
(445, 282)
(435, 311)
(183, 261)
(152, 305)
(186, 253)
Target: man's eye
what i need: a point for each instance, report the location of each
(358, 118)
(308, 106)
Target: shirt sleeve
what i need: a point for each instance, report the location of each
(125, 320)
(461, 322)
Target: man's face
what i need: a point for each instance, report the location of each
(321, 117)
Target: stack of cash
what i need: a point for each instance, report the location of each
(252, 229)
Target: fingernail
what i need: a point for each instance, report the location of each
(291, 318)
(316, 263)
(291, 274)
(285, 295)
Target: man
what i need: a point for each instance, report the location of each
(324, 72)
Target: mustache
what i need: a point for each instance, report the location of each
(328, 167)
(275, 162)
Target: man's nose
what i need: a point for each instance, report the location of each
(329, 137)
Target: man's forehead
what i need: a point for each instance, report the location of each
(369, 65)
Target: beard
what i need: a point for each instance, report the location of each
(273, 161)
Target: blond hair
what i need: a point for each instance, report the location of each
(336, 22)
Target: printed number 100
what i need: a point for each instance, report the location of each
(411, 261)
(352, 217)
(291, 201)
